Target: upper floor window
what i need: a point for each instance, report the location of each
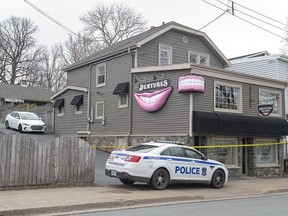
(227, 97)
(101, 75)
(198, 58)
(271, 97)
(165, 54)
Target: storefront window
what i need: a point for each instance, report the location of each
(266, 154)
(225, 155)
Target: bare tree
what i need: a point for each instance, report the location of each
(76, 48)
(108, 24)
(49, 72)
(20, 55)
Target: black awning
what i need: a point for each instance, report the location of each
(121, 88)
(205, 122)
(77, 100)
(233, 124)
(249, 125)
(59, 103)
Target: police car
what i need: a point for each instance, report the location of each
(162, 163)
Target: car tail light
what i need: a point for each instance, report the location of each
(133, 158)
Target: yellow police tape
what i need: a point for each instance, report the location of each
(208, 146)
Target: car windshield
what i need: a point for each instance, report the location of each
(141, 148)
(29, 116)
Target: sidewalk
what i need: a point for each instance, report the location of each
(53, 200)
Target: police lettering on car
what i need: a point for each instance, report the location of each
(187, 170)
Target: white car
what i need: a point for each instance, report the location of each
(24, 121)
(162, 163)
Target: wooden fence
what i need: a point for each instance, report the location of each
(25, 162)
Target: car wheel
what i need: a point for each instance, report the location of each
(160, 179)
(7, 124)
(20, 128)
(127, 181)
(218, 179)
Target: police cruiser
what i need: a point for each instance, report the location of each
(162, 163)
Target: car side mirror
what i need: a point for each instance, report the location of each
(204, 157)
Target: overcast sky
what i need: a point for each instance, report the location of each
(233, 36)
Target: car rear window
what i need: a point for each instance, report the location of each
(141, 148)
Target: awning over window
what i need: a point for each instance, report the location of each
(222, 123)
(77, 100)
(205, 122)
(59, 103)
(121, 88)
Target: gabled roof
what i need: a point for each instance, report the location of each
(140, 39)
(252, 55)
(37, 94)
(69, 88)
(256, 58)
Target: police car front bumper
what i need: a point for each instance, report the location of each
(125, 175)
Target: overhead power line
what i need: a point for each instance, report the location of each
(252, 15)
(49, 17)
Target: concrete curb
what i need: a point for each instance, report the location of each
(98, 205)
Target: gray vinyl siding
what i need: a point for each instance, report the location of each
(148, 53)
(79, 76)
(70, 122)
(172, 119)
(273, 69)
(117, 119)
(261, 68)
(205, 101)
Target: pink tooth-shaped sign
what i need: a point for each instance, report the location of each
(191, 83)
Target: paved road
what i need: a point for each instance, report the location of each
(43, 138)
(252, 206)
(100, 177)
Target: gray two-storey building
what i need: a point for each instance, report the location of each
(170, 83)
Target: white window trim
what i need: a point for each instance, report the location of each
(97, 75)
(198, 57)
(123, 105)
(276, 164)
(78, 111)
(100, 117)
(240, 110)
(279, 102)
(169, 49)
(62, 113)
(236, 162)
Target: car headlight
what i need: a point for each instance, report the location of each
(25, 124)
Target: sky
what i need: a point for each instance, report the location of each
(232, 35)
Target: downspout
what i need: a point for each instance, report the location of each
(133, 54)
(89, 118)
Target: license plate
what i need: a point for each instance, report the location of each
(113, 172)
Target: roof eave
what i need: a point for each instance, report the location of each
(224, 60)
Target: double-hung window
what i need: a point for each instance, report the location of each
(198, 58)
(271, 97)
(101, 75)
(100, 107)
(165, 54)
(227, 97)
